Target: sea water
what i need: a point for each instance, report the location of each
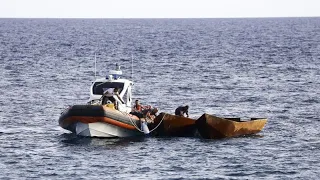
(226, 67)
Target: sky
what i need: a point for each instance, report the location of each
(158, 8)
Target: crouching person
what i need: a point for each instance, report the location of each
(150, 114)
(181, 110)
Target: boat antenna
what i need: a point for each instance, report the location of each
(95, 65)
(131, 67)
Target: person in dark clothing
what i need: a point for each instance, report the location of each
(181, 110)
(138, 114)
(150, 113)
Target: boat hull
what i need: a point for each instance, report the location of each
(212, 127)
(100, 129)
(172, 125)
(99, 121)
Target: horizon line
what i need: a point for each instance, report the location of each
(244, 17)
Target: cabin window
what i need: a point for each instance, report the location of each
(100, 87)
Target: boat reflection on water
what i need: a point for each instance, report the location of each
(72, 139)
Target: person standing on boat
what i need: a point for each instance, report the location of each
(116, 94)
(181, 110)
(109, 95)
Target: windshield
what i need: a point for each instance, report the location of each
(100, 87)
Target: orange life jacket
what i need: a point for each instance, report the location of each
(138, 107)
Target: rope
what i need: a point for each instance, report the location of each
(135, 125)
(158, 123)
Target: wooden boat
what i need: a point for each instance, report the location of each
(212, 127)
(172, 125)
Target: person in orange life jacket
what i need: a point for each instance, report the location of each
(137, 110)
(137, 107)
(181, 110)
(143, 111)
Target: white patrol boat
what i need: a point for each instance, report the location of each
(96, 120)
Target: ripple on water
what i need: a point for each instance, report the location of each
(217, 66)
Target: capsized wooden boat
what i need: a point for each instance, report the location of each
(172, 125)
(212, 127)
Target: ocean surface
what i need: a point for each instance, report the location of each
(226, 67)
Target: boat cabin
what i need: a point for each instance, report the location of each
(111, 81)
